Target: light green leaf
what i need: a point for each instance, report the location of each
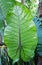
(20, 33)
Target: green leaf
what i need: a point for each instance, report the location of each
(20, 33)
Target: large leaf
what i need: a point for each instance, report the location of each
(20, 33)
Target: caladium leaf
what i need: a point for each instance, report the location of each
(20, 33)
